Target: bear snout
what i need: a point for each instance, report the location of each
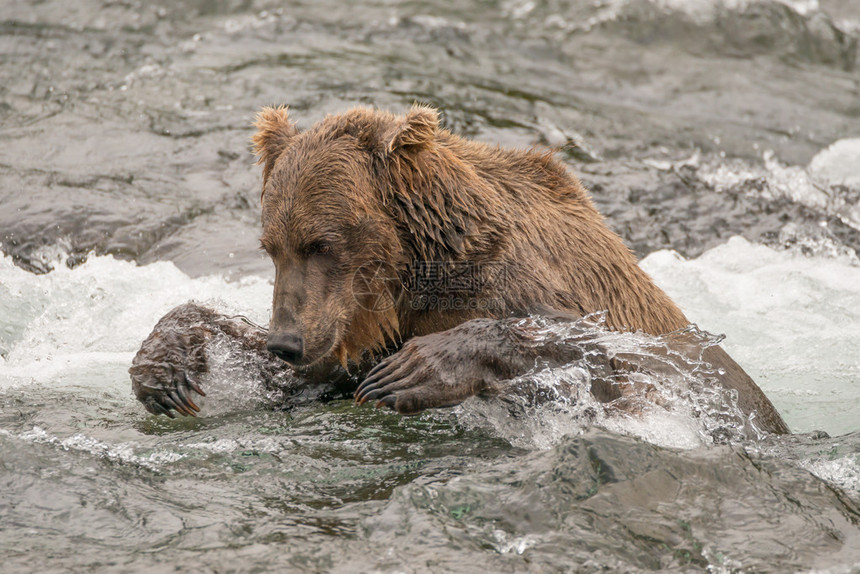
(286, 345)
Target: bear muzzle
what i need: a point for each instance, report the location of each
(287, 346)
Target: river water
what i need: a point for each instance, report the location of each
(721, 138)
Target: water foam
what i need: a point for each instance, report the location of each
(78, 326)
(122, 452)
(792, 322)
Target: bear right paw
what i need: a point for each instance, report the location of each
(432, 371)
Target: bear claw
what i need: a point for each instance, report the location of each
(168, 397)
(389, 401)
(431, 371)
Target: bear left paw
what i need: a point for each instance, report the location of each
(426, 373)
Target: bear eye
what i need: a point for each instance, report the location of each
(318, 248)
(271, 248)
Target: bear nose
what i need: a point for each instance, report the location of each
(285, 346)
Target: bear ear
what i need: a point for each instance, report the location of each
(416, 129)
(274, 132)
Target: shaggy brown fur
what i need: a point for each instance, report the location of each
(368, 215)
(373, 186)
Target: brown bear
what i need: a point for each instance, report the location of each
(412, 255)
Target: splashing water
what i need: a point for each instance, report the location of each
(676, 402)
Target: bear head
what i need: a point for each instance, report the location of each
(338, 237)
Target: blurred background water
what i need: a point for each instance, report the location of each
(721, 138)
